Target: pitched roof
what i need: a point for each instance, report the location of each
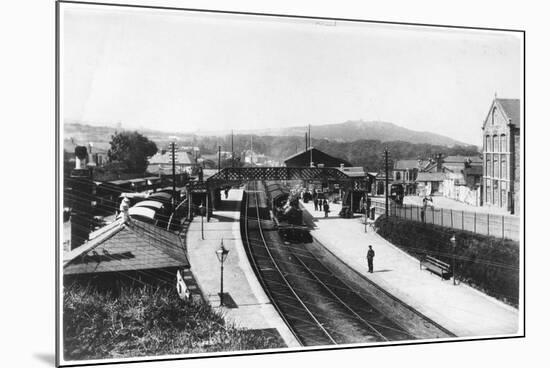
(462, 159)
(182, 158)
(511, 107)
(426, 176)
(406, 164)
(354, 171)
(129, 247)
(318, 152)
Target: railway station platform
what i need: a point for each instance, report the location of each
(246, 304)
(461, 309)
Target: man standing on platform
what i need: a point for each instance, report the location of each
(370, 257)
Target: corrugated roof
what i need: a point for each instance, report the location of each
(134, 246)
(426, 176)
(511, 107)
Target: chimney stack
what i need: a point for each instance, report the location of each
(81, 197)
(124, 207)
(439, 161)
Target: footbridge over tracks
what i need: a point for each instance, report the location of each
(207, 192)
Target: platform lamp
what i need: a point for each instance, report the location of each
(202, 211)
(453, 244)
(221, 253)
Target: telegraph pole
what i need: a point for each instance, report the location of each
(173, 144)
(219, 157)
(232, 151)
(310, 148)
(386, 190)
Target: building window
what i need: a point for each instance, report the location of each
(503, 143)
(503, 172)
(495, 169)
(493, 115)
(488, 167)
(495, 143)
(397, 175)
(488, 191)
(495, 193)
(488, 143)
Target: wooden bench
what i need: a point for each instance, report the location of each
(436, 266)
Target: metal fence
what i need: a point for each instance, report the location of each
(502, 226)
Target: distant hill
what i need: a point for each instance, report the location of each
(354, 130)
(78, 133)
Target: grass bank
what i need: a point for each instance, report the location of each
(487, 263)
(147, 322)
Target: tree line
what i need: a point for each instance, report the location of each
(367, 153)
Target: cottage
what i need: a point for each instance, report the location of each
(430, 183)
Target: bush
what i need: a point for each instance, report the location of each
(146, 322)
(487, 263)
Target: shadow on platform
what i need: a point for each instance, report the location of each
(228, 205)
(220, 218)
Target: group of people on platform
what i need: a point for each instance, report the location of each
(321, 205)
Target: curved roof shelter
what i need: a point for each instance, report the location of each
(161, 197)
(155, 205)
(144, 212)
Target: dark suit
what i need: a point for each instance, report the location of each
(370, 257)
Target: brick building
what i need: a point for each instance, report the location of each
(501, 155)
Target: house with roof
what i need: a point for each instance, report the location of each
(128, 251)
(161, 163)
(405, 173)
(430, 183)
(501, 155)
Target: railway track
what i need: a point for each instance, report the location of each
(318, 307)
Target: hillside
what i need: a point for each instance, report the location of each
(354, 130)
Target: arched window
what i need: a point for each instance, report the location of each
(495, 168)
(493, 114)
(488, 143)
(503, 172)
(488, 167)
(495, 143)
(503, 143)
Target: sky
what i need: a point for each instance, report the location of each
(187, 72)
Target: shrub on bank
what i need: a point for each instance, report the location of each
(485, 262)
(147, 322)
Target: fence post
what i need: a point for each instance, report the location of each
(462, 220)
(451, 218)
(488, 227)
(433, 216)
(475, 222)
(442, 217)
(418, 214)
(502, 226)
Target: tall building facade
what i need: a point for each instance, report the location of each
(501, 155)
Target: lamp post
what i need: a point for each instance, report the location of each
(201, 211)
(222, 255)
(453, 244)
